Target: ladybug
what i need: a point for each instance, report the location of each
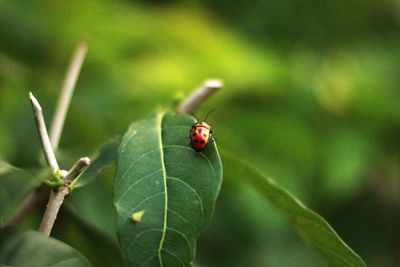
(200, 136)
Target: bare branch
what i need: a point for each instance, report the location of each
(53, 206)
(44, 137)
(66, 93)
(201, 94)
(77, 169)
(51, 144)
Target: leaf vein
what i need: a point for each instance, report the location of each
(148, 259)
(135, 183)
(194, 192)
(191, 149)
(173, 255)
(146, 199)
(184, 237)
(142, 233)
(179, 215)
(159, 125)
(133, 163)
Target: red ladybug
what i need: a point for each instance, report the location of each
(200, 136)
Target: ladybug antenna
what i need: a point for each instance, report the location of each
(211, 111)
(195, 116)
(193, 113)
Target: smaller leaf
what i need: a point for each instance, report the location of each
(105, 157)
(311, 227)
(15, 185)
(31, 249)
(5, 168)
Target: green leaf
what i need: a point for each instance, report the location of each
(105, 157)
(30, 248)
(15, 185)
(175, 187)
(312, 228)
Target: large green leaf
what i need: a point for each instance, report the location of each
(29, 248)
(15, 185)
(158, 173)
(312, 228)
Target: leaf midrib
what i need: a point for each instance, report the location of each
(164, 228)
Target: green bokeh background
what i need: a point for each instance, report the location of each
(311, 97)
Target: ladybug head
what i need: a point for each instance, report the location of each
(204, 125)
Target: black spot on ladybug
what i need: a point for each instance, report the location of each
(195, 141)
(202, 141)
(194, 134)
(200, 130)
(204, 135)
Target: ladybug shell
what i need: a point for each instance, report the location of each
(200, 135)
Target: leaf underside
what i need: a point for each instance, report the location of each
(15, 185)
(105, 157)
(175, 187)
(311, 227)
(31, 249)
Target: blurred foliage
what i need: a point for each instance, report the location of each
(312, 98)
(15, 185)
(31, 248)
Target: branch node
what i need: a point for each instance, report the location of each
(63, 173)
(57, 197)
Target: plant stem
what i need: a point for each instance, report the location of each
(44, 137)
(201, 94)
(66, 93)
(71, 77)
(57, 198)
(53, 206)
